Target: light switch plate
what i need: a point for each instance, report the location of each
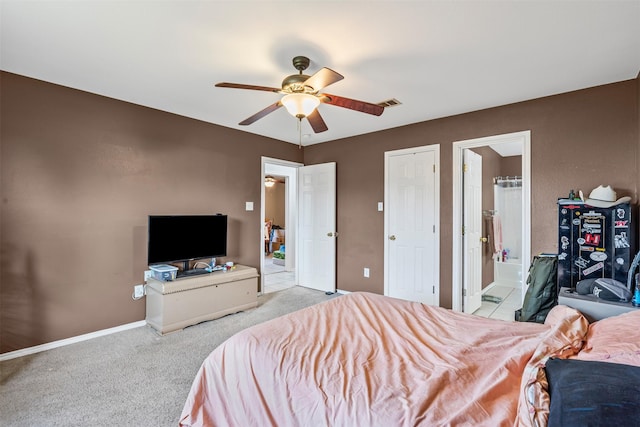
(249, 206)
(380, 206)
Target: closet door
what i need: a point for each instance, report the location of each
(411, 225)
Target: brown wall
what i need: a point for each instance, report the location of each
(80, 174)
(511, 166)
(579, 140)
(274, 204)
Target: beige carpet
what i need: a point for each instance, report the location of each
(131, 378)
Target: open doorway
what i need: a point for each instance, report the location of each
(275, 235)
(278, 225)
(508, 160)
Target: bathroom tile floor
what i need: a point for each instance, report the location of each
(504, 310)
(275, 278)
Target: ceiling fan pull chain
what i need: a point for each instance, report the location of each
(300, 133)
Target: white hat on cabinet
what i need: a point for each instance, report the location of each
(605, 197)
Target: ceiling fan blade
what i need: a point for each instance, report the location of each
(352, 104)
(260, 114)
(323, 78)
(317, 123)
(250, 87)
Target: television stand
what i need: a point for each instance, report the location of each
(186, 301)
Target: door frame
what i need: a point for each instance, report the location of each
(288, 169)
(523, 137)
(436, 149)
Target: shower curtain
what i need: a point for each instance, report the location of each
(508, 204)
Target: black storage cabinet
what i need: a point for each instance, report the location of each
(593, 242)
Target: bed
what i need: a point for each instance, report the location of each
(368, 360)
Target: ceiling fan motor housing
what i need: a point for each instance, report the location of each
(295, 84)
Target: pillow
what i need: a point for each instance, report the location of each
(592, 393)
(614, 339)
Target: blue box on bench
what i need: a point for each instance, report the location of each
(164, 272)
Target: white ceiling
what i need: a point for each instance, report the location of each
(508, 149)
(438, 58)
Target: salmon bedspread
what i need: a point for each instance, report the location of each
(368, 360)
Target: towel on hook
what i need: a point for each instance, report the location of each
(497, 234)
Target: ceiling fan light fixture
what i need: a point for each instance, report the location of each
(301, 97)
(269, 181)
(300, 104)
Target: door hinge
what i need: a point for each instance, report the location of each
(434, 228)
(463, 230)
(464, 292)
(434, 289)
(464, 167)
(434, 168)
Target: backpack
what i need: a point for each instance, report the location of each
(542, 292)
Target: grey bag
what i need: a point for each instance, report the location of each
(542, 293)
(604, 288)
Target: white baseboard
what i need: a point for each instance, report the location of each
(489, 286)
(67, 341)
(340, 291)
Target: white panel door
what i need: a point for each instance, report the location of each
(412, 260)
(472, 226)
(317, 227)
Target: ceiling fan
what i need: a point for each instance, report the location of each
(302, 96)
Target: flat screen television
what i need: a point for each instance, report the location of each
(181, 238)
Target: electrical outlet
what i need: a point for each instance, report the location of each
(366, 272)
(138, 291)
(148, 274)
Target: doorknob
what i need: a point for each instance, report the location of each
(330, 234)
(392, 237)
(484, 239)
